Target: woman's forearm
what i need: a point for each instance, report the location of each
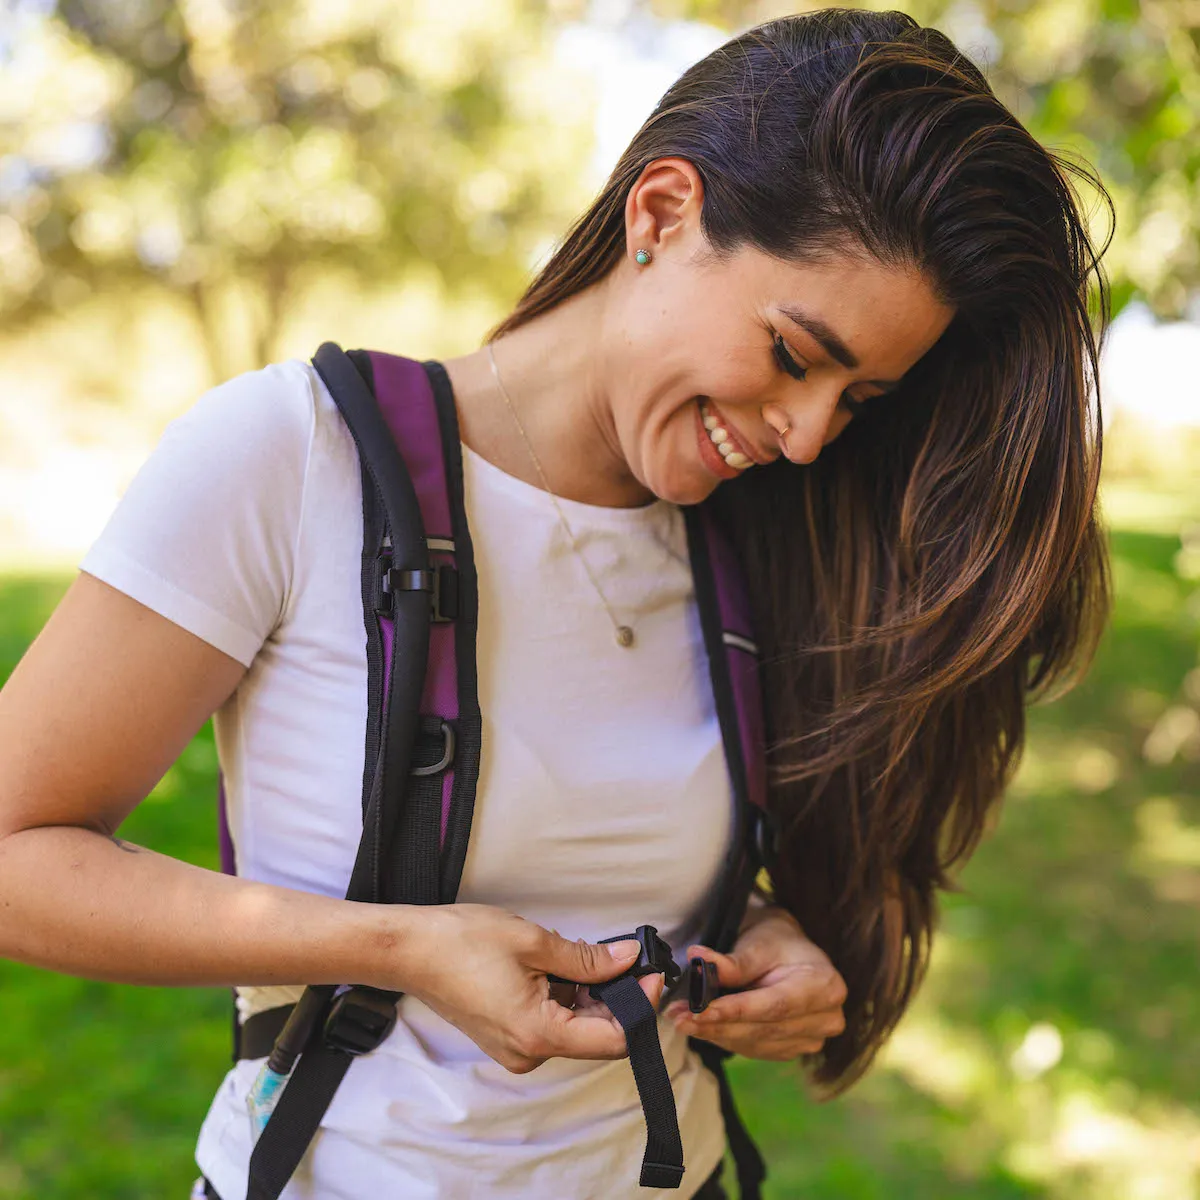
(77, 901)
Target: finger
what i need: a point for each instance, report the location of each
(574, 1035)
(818, 1025)
(731, 973)
(653, 986)
(752, 1040)
(791, 998)
(807, 1029)
(583, 962)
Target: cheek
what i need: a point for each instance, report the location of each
(737, 381)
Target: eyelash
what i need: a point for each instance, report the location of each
(786, 361)
(789, 365)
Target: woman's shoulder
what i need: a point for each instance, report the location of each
(256, 408)
(206, 533)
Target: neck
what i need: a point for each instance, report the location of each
(560, 381)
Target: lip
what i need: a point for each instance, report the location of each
(739, 443)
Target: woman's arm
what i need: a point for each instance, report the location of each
(102, 703)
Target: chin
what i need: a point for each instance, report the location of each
(685, 490)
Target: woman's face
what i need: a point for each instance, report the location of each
(739, 351)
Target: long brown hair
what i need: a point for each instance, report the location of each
(940, 565)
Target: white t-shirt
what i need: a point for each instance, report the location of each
(603, 800)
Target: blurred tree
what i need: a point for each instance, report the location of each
(222, 147)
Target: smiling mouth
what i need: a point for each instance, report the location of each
(723, 439)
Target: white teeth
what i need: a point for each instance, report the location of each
(719, 436)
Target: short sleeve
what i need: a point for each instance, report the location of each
(206, 533)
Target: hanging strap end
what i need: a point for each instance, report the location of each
(660, 1175)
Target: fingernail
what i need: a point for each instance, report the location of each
(626, 949)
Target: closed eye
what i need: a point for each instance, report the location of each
(787, 363)
(784, 358)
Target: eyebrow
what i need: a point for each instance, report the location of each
(832, 344)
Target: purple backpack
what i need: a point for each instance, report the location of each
(422, 762)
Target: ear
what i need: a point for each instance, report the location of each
(663, 204)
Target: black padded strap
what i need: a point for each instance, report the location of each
(322, 1067)
(662, 1163)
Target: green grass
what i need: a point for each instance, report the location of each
(1079, 915)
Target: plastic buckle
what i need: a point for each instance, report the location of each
(441, 583)
(359, 1021)
(654, 955)
(701, 984)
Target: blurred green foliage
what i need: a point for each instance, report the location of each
(202, 148)
(206, 147)
(1053, 1053)
(222, 147)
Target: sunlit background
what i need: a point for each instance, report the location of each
(190, 191)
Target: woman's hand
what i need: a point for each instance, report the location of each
(792, 998)
(484, 970)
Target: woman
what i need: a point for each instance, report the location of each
(832, 283)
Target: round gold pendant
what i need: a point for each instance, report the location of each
(624, 635)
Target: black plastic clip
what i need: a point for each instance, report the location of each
(360, 1020)
(654, 955)
(701, 983)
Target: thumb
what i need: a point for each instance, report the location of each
(731, 972)
(584, 962)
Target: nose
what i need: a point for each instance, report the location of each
(803, 428)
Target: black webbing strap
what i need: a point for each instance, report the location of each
(662, 1163)
(747, 1161)
(296, 1117)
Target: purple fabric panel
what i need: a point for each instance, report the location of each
(743, 671)
(224, 839)
(388, 632)
(734, 606)
(406, 400)
(731, 586)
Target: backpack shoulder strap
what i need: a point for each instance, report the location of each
(725, 620)
(423, 732)
(416, 403)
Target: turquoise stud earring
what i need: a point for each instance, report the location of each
(642, 257)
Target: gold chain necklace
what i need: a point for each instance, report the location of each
(623, 632)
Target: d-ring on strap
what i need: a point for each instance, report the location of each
(662, 1163)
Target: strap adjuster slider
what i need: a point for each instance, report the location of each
(359, 1021)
